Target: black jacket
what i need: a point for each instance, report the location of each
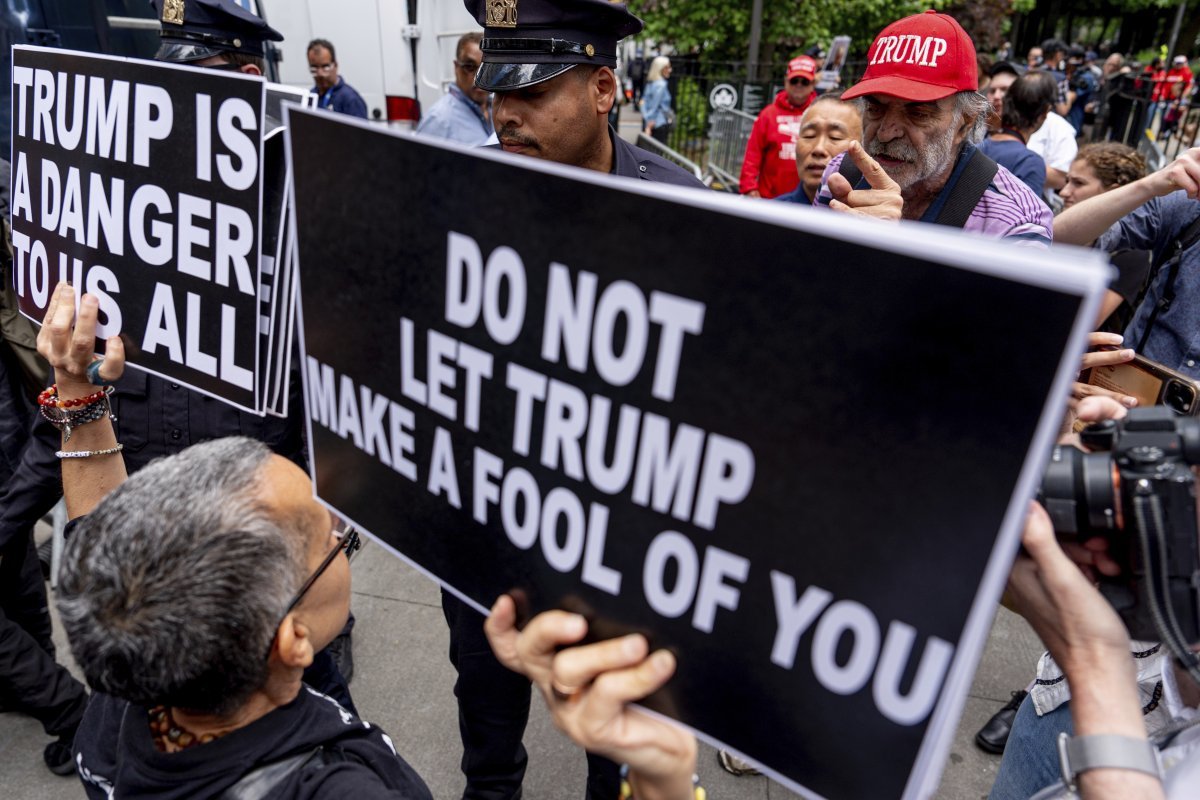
(116, 757)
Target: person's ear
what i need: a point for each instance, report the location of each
(604, 88)
(250, 69)
(293, 643)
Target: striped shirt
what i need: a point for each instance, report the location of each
(1007, 210)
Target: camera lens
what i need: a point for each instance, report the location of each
(1079, 492)
(1180, 398)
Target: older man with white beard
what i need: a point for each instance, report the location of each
(922, 117)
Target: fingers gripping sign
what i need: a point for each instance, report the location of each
(67, 342)
(882, 201)
(588, 689)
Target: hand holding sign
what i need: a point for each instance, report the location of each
(68, 345)
(588, 689)
(882, 200)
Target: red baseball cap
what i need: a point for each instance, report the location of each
(803, 66)
(921, 58)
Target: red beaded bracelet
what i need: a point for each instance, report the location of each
(49, 397)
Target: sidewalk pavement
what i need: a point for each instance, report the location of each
(404, 683)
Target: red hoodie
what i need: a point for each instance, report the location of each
(770, 162)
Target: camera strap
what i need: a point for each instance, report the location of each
(1185, 241)
(1151, 531)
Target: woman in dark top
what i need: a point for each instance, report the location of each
(1025, 108)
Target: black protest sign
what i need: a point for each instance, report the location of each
(785, 455)
(141, 184)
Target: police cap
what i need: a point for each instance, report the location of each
(193, 30)
(531, 41)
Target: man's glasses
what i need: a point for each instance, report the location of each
(469, 67)
(349, 541)
(315, 68)
(800, 82)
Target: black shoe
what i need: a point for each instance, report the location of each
(342, 650)
(57, 755)
(994, 734)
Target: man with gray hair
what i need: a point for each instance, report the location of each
(922, 117)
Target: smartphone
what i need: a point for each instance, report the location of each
(1150, 382)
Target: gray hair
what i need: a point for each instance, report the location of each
(974, 106)
(173, 587)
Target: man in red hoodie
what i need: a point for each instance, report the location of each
(769, 168)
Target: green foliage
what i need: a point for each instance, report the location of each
(691, 110)
(720, 29)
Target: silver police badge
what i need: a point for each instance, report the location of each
(502, 13)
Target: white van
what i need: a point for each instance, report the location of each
(398, 54)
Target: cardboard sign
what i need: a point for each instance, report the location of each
(780, 441)
(141, 183)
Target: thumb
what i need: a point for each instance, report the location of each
(839, 187)
(113, 364)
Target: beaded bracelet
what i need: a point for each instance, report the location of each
(698, 792)
(49, 397)
(108, 451)
(67, 419)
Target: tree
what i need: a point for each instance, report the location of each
(719, 30)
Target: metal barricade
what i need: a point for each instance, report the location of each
(728, 133)
(659, 149)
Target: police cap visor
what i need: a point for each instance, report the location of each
(495, 77)
(185, 53)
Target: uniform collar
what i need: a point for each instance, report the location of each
(625, 161)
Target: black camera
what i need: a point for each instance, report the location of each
(1137, 490)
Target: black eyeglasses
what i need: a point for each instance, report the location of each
(469, 67)
(315, 68)
(350, 542)
(800, 81)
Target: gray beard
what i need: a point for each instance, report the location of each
(921, 164)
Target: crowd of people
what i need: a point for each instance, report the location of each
(205, 592)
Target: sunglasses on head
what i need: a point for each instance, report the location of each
(800, 82)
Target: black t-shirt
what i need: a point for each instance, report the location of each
(116, 757)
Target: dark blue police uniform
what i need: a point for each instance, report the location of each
(527, 42)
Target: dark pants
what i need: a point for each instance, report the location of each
(31, 681)
(493, 708)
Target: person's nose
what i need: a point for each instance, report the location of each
(505, 111)
(891, 127)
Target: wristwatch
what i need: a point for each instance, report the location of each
(1078, 754)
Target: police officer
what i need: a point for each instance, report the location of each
(156, 417)
(551, 66)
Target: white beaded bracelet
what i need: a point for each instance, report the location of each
(89, 453)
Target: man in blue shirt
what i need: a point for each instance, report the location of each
(1152, 214)
(333, 93)
(464, 113)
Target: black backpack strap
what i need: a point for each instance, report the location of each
(1185, 241)
(972, 183)
(976, 177)
(259, 782)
